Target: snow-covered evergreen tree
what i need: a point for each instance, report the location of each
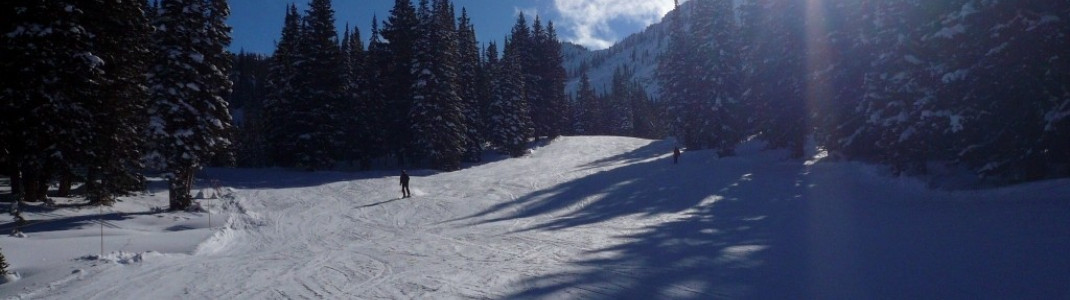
(401, 33)
(550, 90)
(189, 120)
(998, 78)
(619, 111)
(586, 108)
(700, 75)
(718, 78)
(674, 74)
(488, 80)
(510, 120)
(281, 108)
(837, 61)
(437, 118)
(319, 83)
(52, 74)
(468, 86)
(357, 124)
(122, 40)
(895, 92)
(3, 265)
(249, 75)
(373, 105)
(774, 72)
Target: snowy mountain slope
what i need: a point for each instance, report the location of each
(638, 52)
(582, 217)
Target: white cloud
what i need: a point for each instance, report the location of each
(529, 12)
(588, 21)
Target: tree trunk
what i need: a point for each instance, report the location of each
(16, 184)
(92, 189)
(106, 189)
(31, 184)
(43, 179)
(65, 179)
(179, 188)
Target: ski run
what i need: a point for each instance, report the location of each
(579, 217)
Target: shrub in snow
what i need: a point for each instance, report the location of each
(3, 264)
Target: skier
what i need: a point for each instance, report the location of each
(676, 155)
(405, 185)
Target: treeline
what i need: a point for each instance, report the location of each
(421, 90)
(979, 84)
(625, 109)
(96, 91)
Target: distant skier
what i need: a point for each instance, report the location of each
(405, 193)
(676, 155)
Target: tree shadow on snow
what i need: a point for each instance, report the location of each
(276, 178)
(747, 228)
(725, 237)
(70, 223)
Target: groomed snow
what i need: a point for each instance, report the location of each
(582, 217)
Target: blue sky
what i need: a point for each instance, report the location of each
(592, 23)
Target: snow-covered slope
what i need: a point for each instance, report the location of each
(582, 217)
(638, 52)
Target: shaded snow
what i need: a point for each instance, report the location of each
(582, 217)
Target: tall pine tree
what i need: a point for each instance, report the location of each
(510, 120)
(401, 33)
(281, 106)
(438, 126)
(320, 84)
(468, 86)
(774, 73)
(189, 119)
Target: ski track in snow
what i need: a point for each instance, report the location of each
(591, 217)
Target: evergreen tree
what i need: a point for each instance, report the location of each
(521, 44)
(535, 71)
(51, 77)
(644, 115)
(189, 118)
(3, 264)
(468, 86)
(510, 119)
(250, 88)
(401, 33)
(123, 42)
(774, 76)
(896, 93)
(357, 126)
(281, 106)
(675, 73)
(374, 104)
(585, 108)
(551, 87)
(838, 60)
(319, 82)
(488, 80)
(1053, 144)
(997, 71)
(620, 111)
(437, 114)
(718, 72)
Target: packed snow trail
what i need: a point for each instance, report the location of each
(609, 218)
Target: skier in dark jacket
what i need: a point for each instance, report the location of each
(676, 155)
(405, 193)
